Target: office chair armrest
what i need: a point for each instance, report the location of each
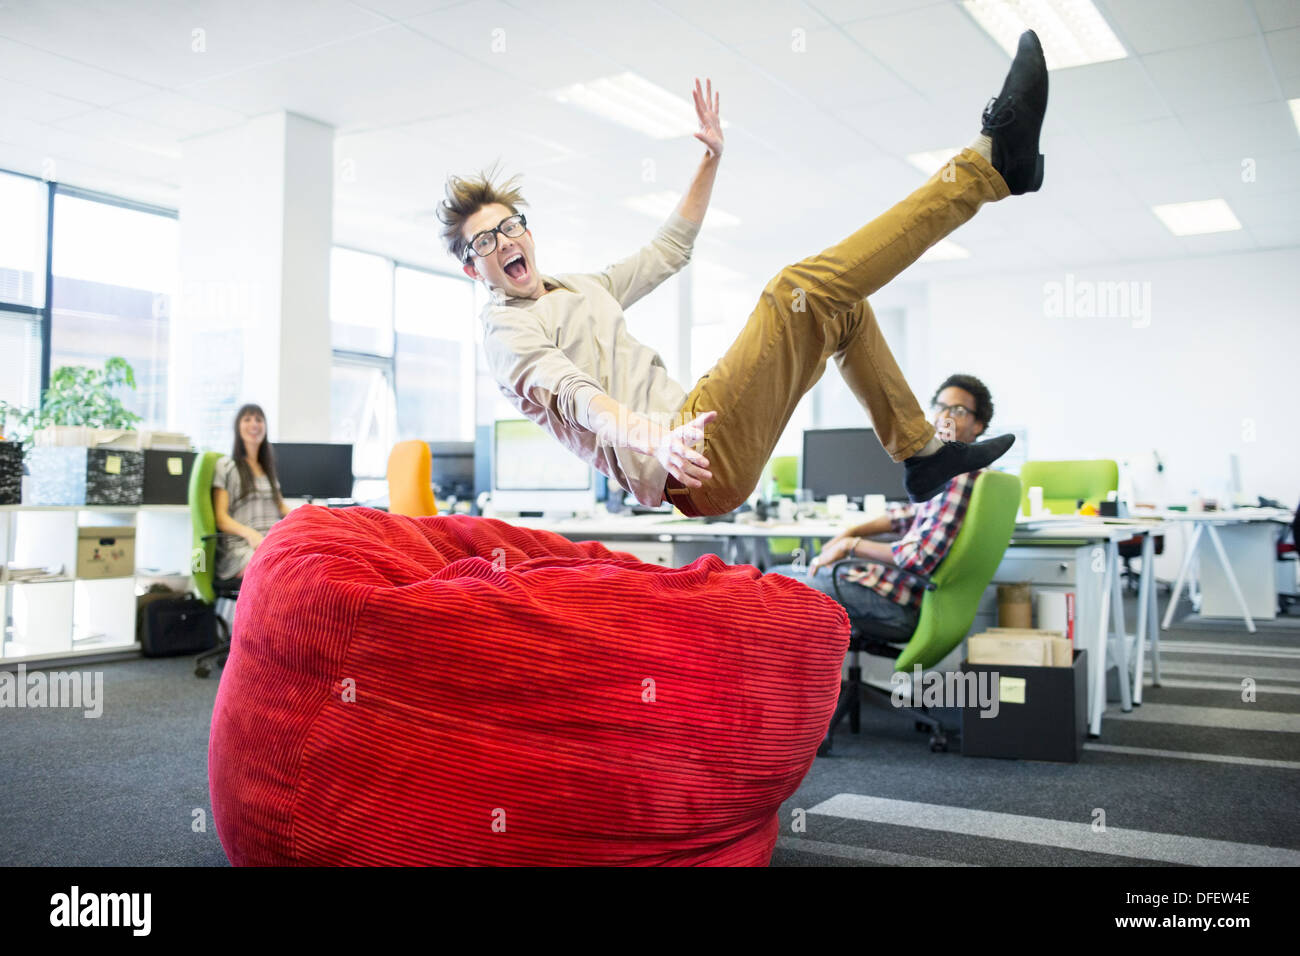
(920, 579)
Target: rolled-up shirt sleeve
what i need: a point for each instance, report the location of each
(640, 273)
(900, 517)
(927, 544)
(524, 361)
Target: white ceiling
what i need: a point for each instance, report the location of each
(105, 93)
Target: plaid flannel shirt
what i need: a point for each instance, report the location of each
(931, 527)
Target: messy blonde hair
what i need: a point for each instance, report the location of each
(466, 196)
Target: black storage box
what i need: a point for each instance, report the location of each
(11, 473)
(167, 476)
(1051, 724)
(64, 475)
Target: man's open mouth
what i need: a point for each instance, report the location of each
(516, 267)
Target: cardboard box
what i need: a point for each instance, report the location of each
(167, 477)
(86, 476)
(11, 473)
(1042, 712)
(106, 552)
(1014, 607)
(995, 649)
(1061, 650)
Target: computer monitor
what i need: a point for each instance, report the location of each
(532, 471)
(849, 461)
(311, 470)
(453, 469)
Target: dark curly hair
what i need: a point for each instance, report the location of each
(983, 400)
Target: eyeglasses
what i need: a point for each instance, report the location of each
(485, 242)
(958, 412)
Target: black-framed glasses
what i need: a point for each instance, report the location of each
(958, 412)
(485, 242)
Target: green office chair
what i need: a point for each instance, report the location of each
(203, 563)
(785, 470)
(952, 597)
(1066, 483)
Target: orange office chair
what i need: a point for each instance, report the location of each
(410, 480)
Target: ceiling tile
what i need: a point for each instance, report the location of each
(187, 116)
(1213, 76)
(64, 77)
(21, 99)
(935, 48)
(508, 39)
(846, 11)
(1277, 14)
(1104, 94)
(1284, 48)
(740, 23)
(1243, 131)
(1149, 26)
(159, 43)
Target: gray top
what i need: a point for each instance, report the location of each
(258, 510)
(551, 355)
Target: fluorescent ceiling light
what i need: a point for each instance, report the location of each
(943, 251)
(1073, 32)
(1197, 218)
(660, 205)
(933, 160)
(634, 101)
(1295, 113)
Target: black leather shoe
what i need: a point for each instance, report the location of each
(1014, 118)
(926, 477)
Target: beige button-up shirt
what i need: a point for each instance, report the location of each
(551, 355)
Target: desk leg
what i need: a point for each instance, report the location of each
(1182, 575)
(1099, 655)
(1153, 616)
(1121, 631)
(1232, 578)
(1143, 606)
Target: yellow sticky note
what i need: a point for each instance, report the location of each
(175, 466)
(1011, 690)
(113, 465)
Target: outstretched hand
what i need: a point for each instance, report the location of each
(706, 108)
(675, 450)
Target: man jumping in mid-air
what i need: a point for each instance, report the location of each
(561, 352)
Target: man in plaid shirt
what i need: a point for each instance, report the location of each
(961, 409)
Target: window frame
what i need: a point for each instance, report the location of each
(388, 363)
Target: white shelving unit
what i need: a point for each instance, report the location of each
(72, 617)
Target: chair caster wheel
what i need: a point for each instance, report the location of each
(938, 744)
(202, 670)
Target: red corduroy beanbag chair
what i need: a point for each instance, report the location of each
(455, 690)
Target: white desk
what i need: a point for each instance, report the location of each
(1207, 524)
(1089, 547)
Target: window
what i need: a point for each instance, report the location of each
(403, 360)
(434, 320)
(361, 302)
(362, 414)
(22, 241)
(24, 203)
(115, 274)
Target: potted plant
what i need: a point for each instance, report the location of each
(76, 475)
(78, 395)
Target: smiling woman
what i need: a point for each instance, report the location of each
(245, 494)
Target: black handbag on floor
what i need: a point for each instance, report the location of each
(180, 625)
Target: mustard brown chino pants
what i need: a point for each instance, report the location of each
(815, 309)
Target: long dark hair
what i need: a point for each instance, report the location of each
(265, 457)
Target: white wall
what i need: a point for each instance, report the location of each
(1200, 365)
